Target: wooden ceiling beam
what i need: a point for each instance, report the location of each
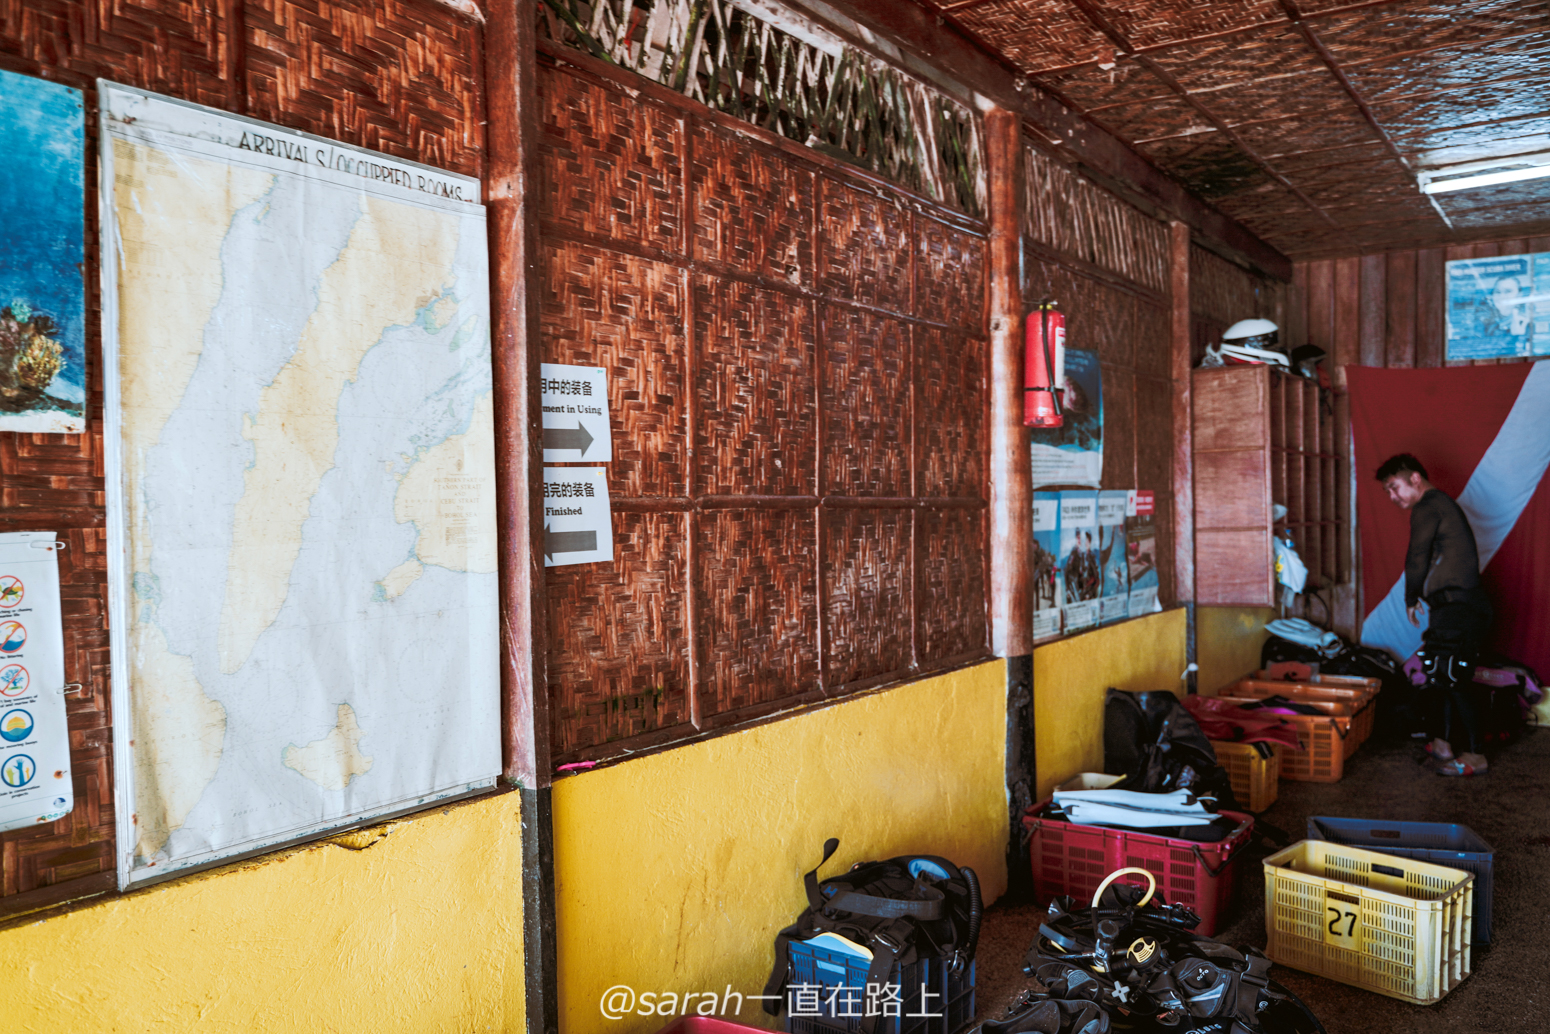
(1096, 152)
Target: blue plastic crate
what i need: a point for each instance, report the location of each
(1440, 843)
(934, 1000)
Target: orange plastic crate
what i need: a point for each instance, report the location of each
(1255, 779)
(1358, 693)
(1330, 687)
(1326, 739)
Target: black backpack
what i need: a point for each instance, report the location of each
(903, 910)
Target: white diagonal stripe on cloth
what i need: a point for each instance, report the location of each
(1498, 491)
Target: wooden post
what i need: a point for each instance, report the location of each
(512, 204)
(512, 199)
(1183, 432)
(1011, 479)
(1011, 507)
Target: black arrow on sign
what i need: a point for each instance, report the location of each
(564, 438)
(568, 542)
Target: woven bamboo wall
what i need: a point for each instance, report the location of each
(1106, 264)
(797, 372)
(399, 76)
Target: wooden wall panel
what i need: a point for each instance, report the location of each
(1400, 332)
(818, 337)
(1220, 499)
(1372, 335)
(950, 573)
(177, 48)
(866, 404)
(868, 595)
(618, 635)
(1430, 308)
(758, 587)
(953, 379)
(751, 213)
(1120, 427)
(397, 77)
(754, 370)
(612, 165)
(627, 315)
(949, 276)
(866, 247)
(1151, 326)
(1154, 434)
(401, 77)
(1100, 316)
(1233, 566)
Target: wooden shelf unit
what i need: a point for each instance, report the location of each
(1263, 437)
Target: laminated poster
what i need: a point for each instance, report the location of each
(42, 254)
(1499, 307)
(1081, 569)
(1072, 454)
(35, 786)
(1114, 603)
(301, 483)
(1048, 577)
(1141, 549)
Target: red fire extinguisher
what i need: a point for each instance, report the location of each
(1044, 367)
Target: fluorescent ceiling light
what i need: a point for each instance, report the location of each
(1485, 179)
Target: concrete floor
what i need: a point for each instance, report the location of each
(1509, 807)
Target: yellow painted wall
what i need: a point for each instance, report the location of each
(419, 932)
(1227, 643)
(1071, 677)
(674, 871)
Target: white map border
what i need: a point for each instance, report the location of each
(342, 164)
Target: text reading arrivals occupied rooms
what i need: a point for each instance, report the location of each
(339, 161)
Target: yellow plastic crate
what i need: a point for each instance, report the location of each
(1391, 925)
(1256, 780)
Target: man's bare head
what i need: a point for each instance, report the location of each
(1404, 479)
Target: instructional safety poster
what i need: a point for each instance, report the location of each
(301, 481)
(35, 785)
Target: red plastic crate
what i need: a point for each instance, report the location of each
(1072, 859)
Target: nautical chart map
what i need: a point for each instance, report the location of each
(299, 393)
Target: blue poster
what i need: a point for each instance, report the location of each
(1499, 307)
(42, 254)
(1072, 454)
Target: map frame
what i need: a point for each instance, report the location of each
(273, 147)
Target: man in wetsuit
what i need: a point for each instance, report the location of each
(1442, 567)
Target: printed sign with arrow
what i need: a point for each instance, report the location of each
(575, 411)
(578, 521)
(557, 439)
(568, 542)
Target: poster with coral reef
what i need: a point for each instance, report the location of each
(42, 249)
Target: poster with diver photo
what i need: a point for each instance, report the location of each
(42, 252)
(1499, 307)
(1072, 454)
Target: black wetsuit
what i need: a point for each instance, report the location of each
(1442, 566)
